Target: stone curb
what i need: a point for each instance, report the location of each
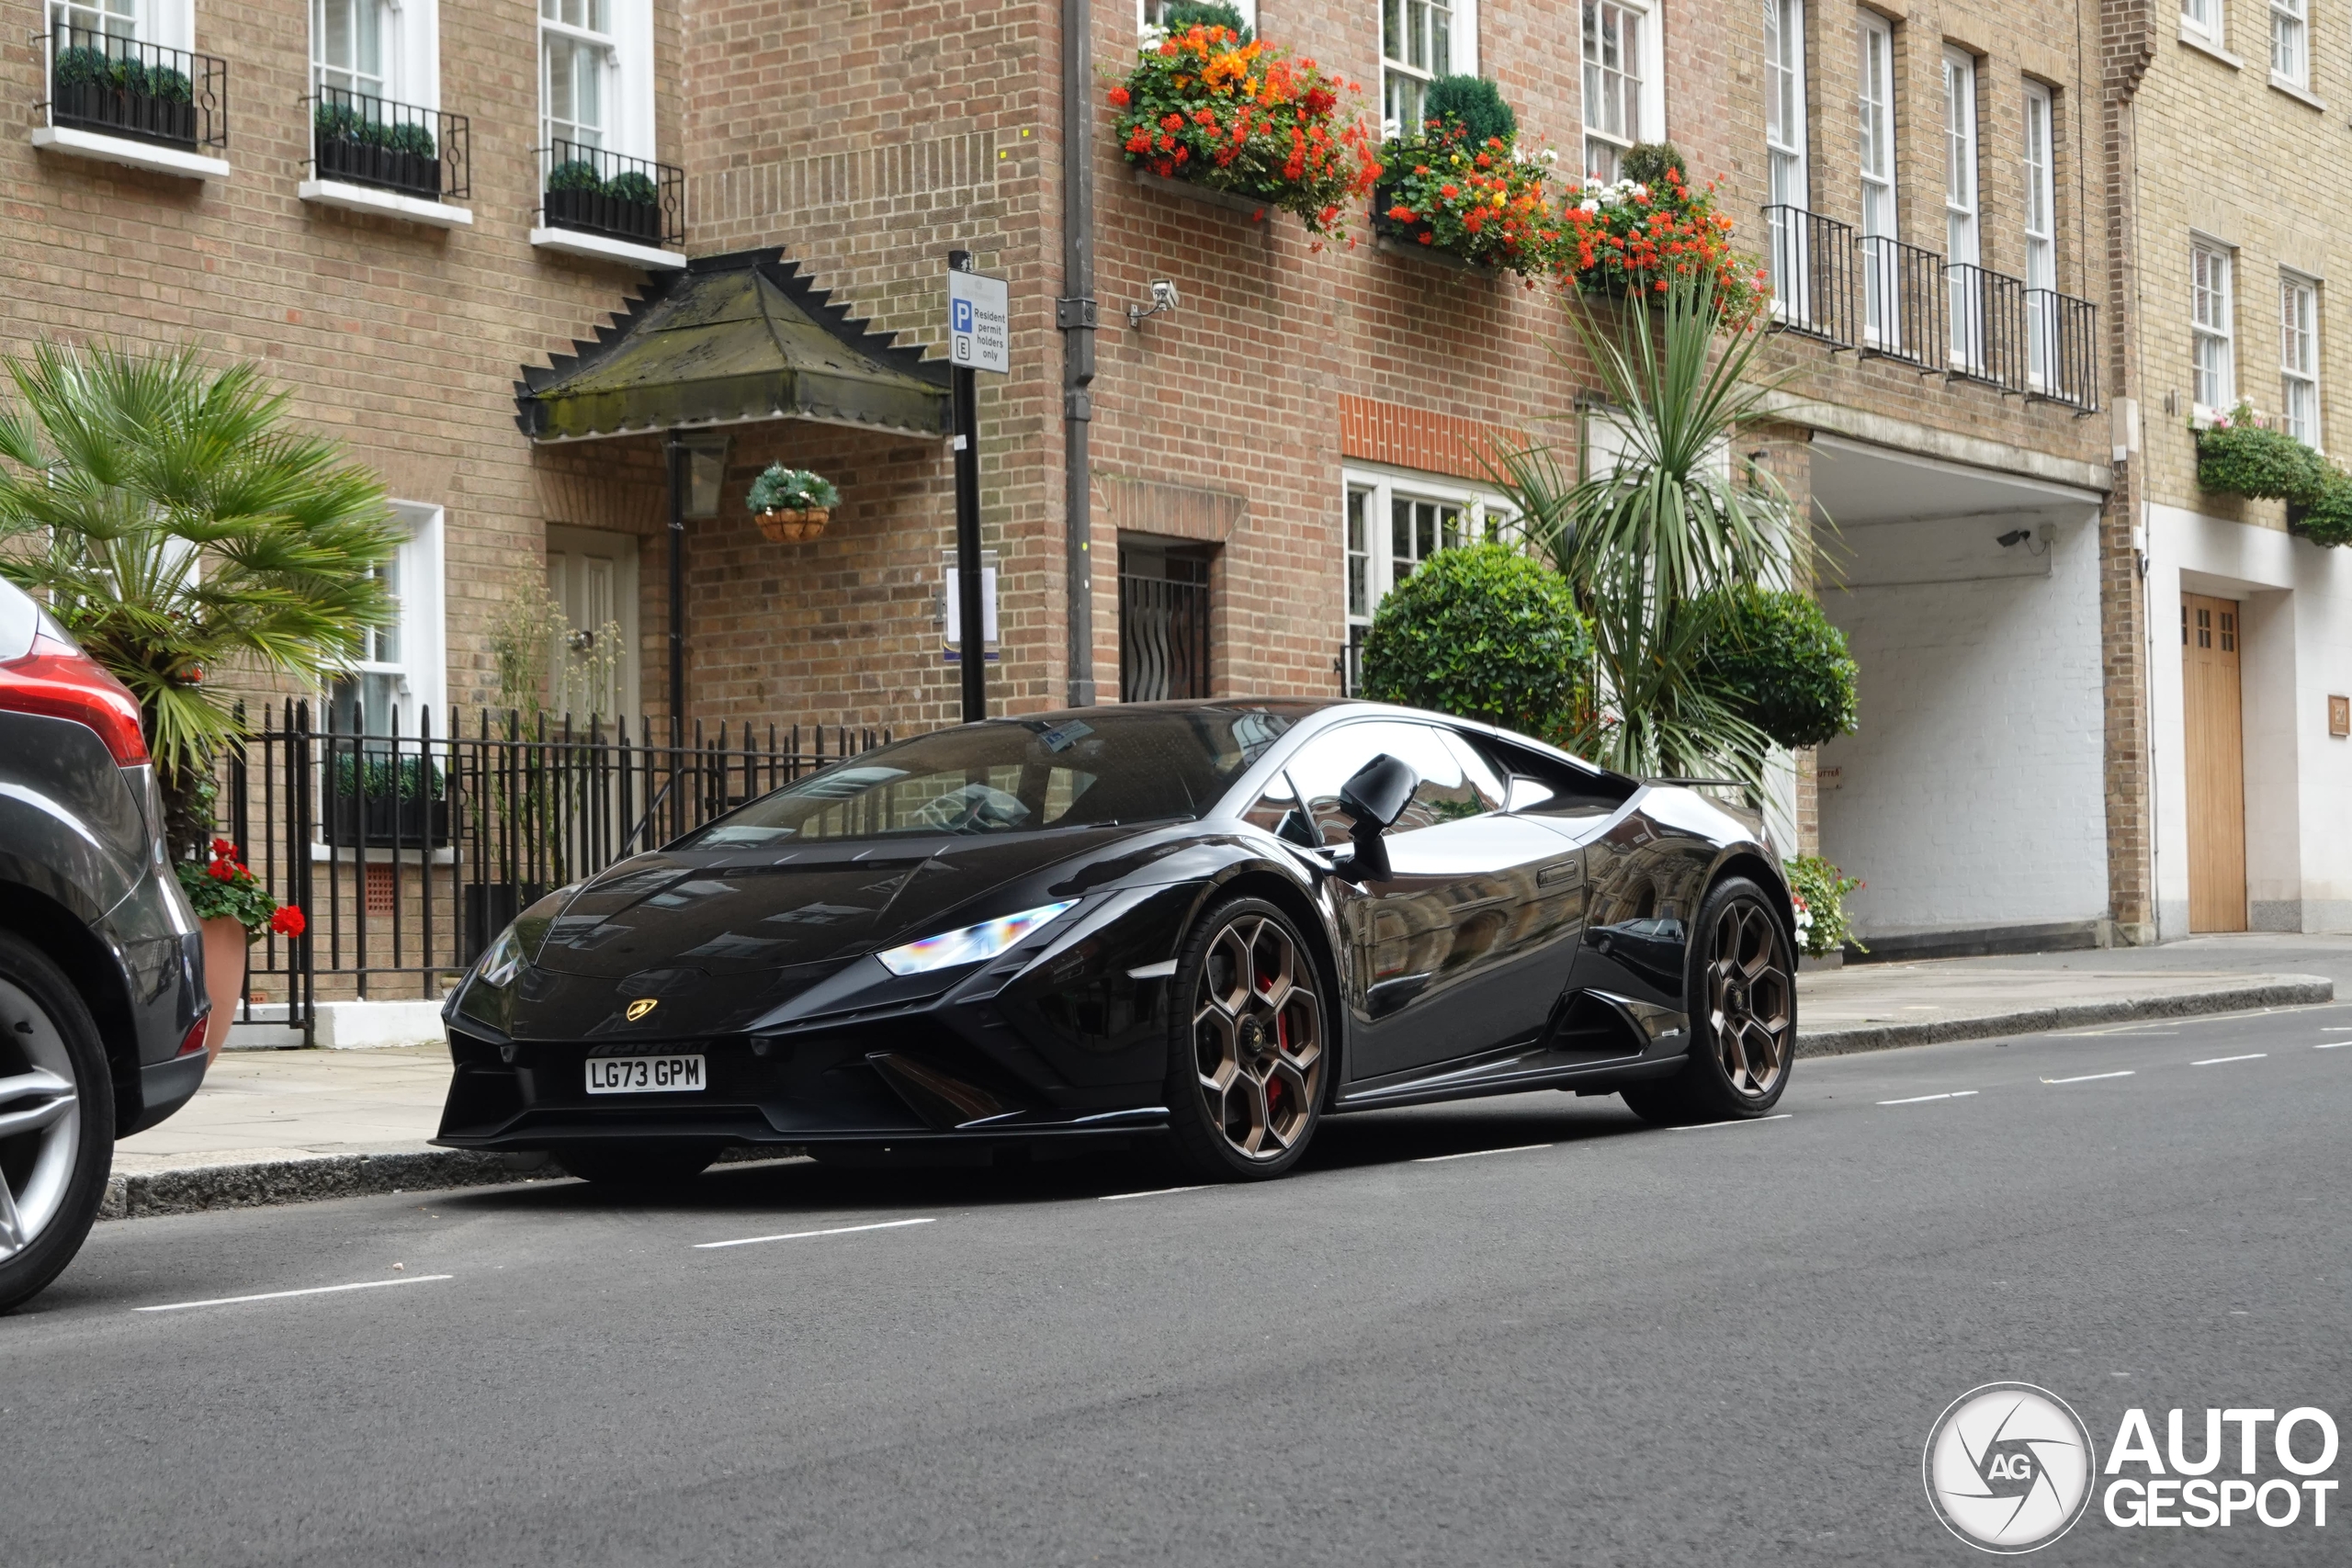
(2289, 990)
(194, 1188)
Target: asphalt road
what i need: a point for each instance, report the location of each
(1433, 1343)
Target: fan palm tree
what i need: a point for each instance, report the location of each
(183, 535)
(1648, 539)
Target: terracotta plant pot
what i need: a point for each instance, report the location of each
(224, 977)
(794, 527)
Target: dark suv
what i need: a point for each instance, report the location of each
(102, 1010)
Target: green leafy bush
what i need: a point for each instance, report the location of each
(1818, 891)
(575, 173)
(413, 138)
(1649, 162)
(2327, 521)
(2237, 456)
(1476, 103)
(84, 66)
(379, 777)
(634, 186)
(1484, 633)
(1784, 667)
(1186, 15)
(779, 489)
(170, 86)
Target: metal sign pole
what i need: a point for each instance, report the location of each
(978, 323)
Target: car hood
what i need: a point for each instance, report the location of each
(724, 912)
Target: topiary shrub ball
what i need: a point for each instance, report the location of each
(1784, 665)
(1185, 15)
(1481, 632)
(1476, 103)
(1648, 162)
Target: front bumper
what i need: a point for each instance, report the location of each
(1059, 1041)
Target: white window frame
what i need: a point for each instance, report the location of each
(419, 664)
(2038, 172)
(628, 79)
(1962, 207)
(1462, 50)
(1642, 68)
(2299, 358)
(2202, 18)
(1147, 18)
(1483, 512)
(1875, 155)
(1788, 180)
(2291, 42)
(2213, 350)
(170, 23)
(410, 53)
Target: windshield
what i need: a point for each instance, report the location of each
(1016, 776)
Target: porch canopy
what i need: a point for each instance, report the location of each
(729, 340)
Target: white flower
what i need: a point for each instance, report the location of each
(1550, 156)
(1592, 182)
(1641, 192)
(1588, 205)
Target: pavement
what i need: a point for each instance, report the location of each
(289, 1126)
(1521, 1330)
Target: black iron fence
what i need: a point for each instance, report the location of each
(119, 86)
(408, 853)
(1903, 301)
(1811, 260)
(369, 140)
(2062, 351)
(1988, 326)
(599, 192)
(1163, 639)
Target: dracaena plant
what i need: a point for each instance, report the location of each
(189, 539)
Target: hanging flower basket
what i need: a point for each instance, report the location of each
(794, 525)
(792, 505)
(1483, 205)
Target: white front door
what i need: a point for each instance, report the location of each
(593, 670)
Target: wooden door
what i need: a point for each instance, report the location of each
(2215, 754)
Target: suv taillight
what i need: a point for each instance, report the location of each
(59, 681)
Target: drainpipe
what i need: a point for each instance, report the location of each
(675, 451)
(1074, 315)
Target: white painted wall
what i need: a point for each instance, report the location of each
(1972, 793)
(2297, 649)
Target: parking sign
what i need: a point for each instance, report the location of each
(978, 322)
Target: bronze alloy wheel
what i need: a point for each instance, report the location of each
(1257, 1043)
(1749, 993)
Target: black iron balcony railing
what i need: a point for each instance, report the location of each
(1988, 327)
(1811, 261)
(367, 140)
(598, 192)
(2062, 348)
(1901, 287)
(119, 86)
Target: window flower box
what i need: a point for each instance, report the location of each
(598, 192)
(1482, 204)
(365, 140)
(1638, 232)
(1246, 122)
(110, 86)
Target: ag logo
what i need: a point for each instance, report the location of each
(639, 1008)
(2009, 1467)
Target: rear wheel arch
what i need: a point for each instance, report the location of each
(67, 941)
(1765, 874)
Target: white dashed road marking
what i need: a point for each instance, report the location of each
(803, 1236)
(281, 1296)
(1718, 1126)
(1923, 1099)
(1154, 1192)
(2093, 1077)
(2217, 1061)
(1473, 1154)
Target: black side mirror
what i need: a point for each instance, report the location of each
(1372, 800)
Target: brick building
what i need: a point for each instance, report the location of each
(2240, 651)
(1937, 189)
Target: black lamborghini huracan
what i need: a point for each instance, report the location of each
(1217, 921)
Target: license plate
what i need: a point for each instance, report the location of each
(646, 1074)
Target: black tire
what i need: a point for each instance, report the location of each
(637, 1164)
(59, 1168)
(1742, 994)
(1248, 1054)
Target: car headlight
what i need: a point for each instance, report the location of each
(502, 960)
(970, 944)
